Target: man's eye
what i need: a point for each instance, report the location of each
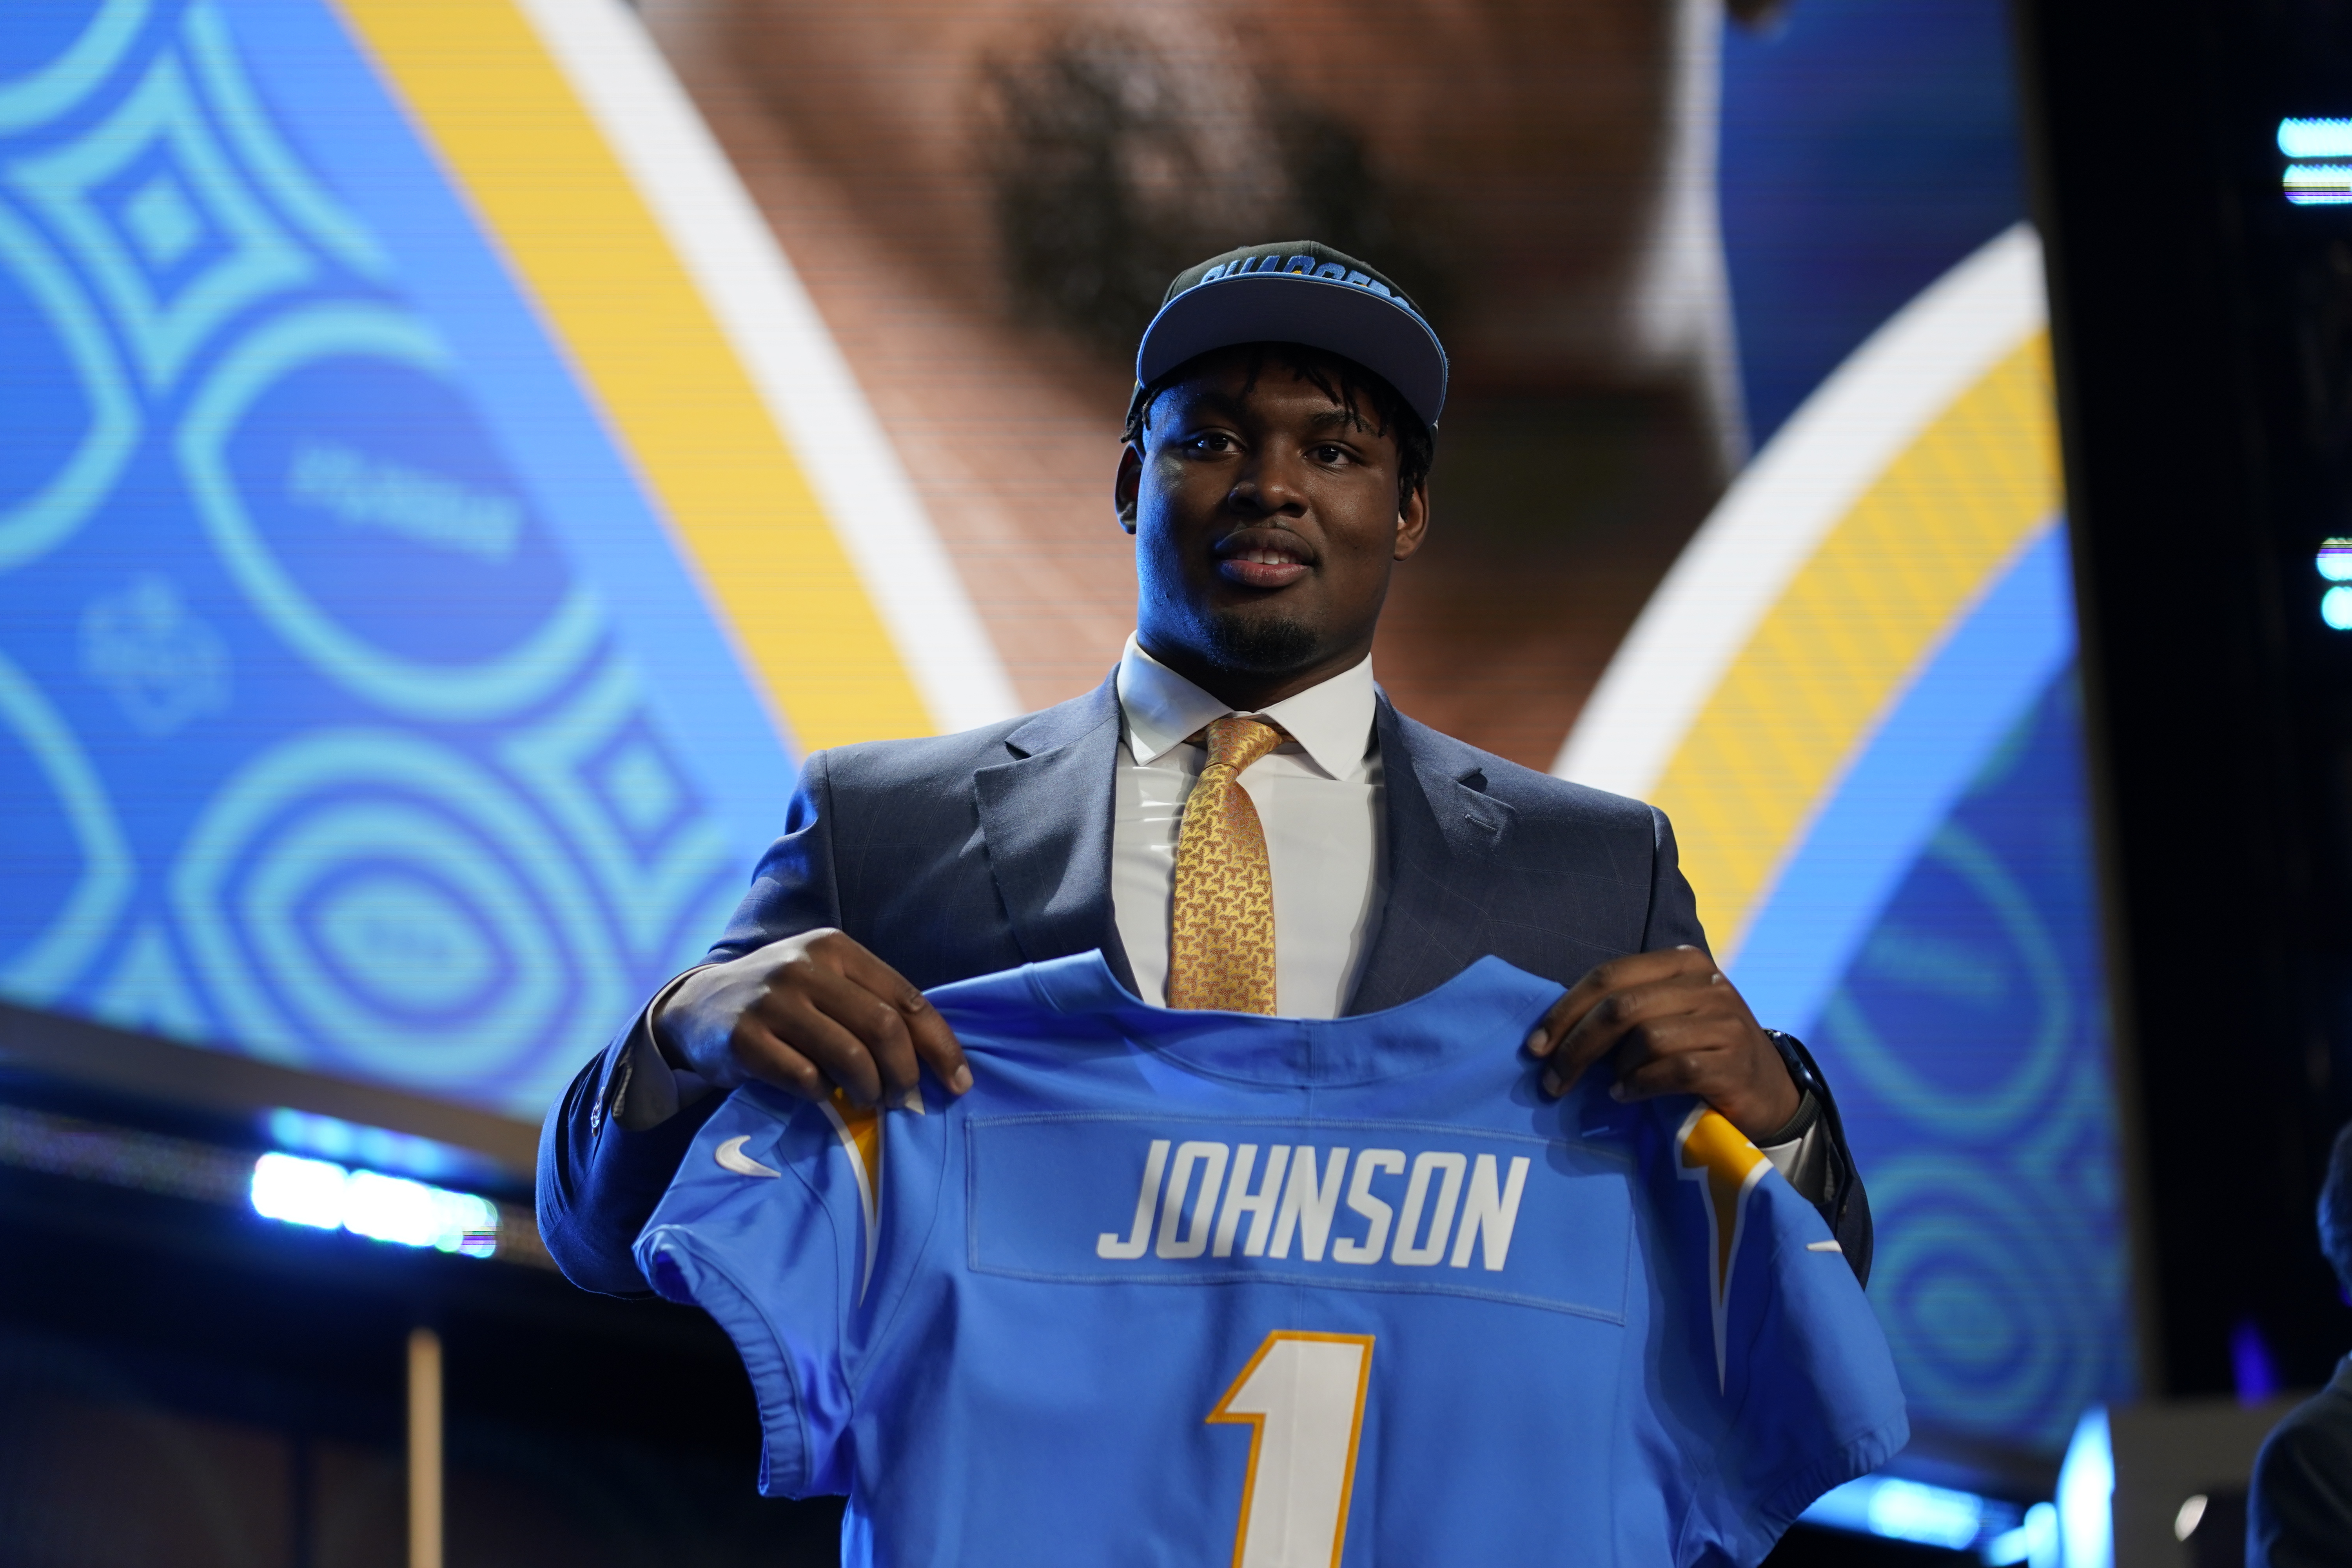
(1330, 454)
(1212, 441)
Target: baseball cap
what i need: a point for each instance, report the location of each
(1298, 291)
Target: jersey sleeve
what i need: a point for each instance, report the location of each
(766, 1229)
(1796, 1389)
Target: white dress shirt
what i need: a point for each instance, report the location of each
(1317, 795)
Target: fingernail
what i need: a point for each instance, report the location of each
(912, 1101)
(1617, 1092)
(1536, 1042)
(1551, 1084)
(962, 1079)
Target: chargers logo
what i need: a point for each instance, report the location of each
(859, 1131)
(1712, 1152)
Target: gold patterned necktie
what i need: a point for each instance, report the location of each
(1220, 938)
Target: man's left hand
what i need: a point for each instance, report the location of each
(1675, 1025)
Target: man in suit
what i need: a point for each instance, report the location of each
(2299, 1507)
(1237, 817)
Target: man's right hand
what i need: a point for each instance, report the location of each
(809, 1013)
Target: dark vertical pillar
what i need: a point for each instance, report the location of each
(2201, 477)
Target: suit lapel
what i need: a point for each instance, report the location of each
(1045, 820)
(1443, 834)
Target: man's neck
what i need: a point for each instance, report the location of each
(1246, 690)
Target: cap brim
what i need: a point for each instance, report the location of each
(1327, 313)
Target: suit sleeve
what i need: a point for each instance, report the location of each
(599, 1180)
(1674, 922)
(2299, 1511)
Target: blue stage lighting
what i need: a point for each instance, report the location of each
(2034, 1542)
(1896, 1510)
(324, 1195)
(2315, 138)
(2087, 1490)
(330, 1138)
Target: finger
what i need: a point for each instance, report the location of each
(1606, 1026)
(877, 1023)
(771, 1061)
(930, 1039)
(1617, 974)
(937, 1044)
(1683, 1072)
(1557, 1020)
(1721, 1060)
(1698, 1034)
(799, 1023)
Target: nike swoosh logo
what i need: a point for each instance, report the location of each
(730, 1156)
(1809, 1247)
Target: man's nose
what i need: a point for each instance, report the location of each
(1268, 486)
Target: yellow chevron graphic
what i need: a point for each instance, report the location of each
(557, 202)
(1717, 1155)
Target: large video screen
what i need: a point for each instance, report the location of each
(459, 455)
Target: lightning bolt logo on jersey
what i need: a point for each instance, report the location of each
(1191, 1288)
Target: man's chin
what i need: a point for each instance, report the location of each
(1260, 644)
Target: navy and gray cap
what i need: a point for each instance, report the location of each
(1298, 291)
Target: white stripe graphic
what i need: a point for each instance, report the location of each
(1779, 510)
(715, 229)
(870, 1197)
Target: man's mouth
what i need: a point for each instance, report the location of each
(1263, 565)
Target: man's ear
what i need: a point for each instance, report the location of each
(1128, 486)
(1412, 520)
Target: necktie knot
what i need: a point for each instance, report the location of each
(1237, 740)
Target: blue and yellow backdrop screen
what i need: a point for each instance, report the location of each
(451, 466)
(325, 739)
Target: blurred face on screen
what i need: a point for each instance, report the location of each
(1499, 159)
(986, 198)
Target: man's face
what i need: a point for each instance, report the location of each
(1266, 520)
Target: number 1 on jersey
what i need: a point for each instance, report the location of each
(1303, 1396)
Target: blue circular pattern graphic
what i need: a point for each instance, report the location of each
(65, 79)
(1976, 1292)
(68, 867)
(368, 900)
(344, 484)
(1971, 1060)
(1993, 960)
(313, 741)
(75, 425)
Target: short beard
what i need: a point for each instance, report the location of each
(1258, 645)
(1120, 154)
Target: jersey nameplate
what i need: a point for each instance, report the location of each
(1383, 1205)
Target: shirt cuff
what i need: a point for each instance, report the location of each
(1799, 1149)
(646, 1089)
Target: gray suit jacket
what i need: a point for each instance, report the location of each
(962, 855)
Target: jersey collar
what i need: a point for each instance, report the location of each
(1485, 1010)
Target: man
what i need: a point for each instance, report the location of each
(1237, 818)
(2299, 1509)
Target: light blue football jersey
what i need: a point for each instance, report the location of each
(1181, 1288)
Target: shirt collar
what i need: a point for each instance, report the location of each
(1331, 722)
